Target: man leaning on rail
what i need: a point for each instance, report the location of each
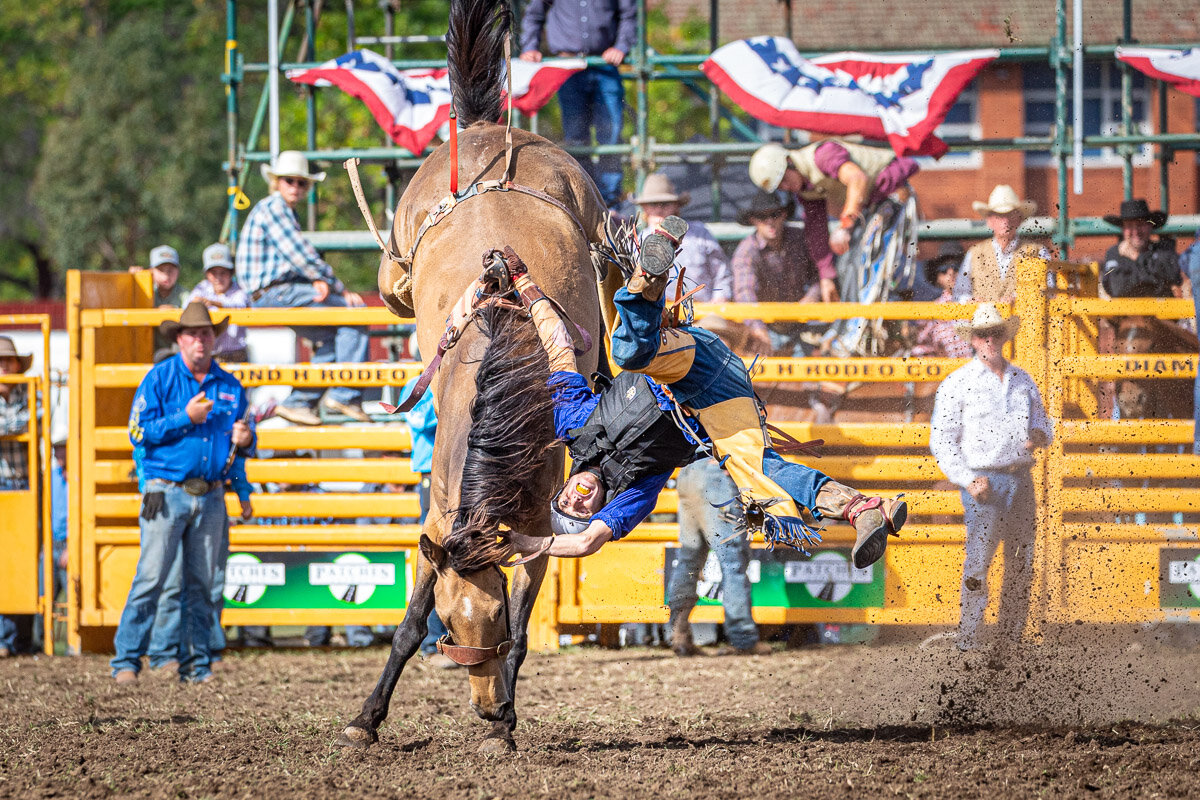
(622, 460)
(190, 416)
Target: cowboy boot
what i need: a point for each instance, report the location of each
(681, 634)
(650, 276)
(873, 518)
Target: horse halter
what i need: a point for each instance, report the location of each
(467, 656)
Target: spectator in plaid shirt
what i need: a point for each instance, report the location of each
(281, 269)
(14, 456)
(772, 265)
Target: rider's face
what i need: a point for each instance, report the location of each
(583, 495)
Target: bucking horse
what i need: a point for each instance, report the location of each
(495, 462)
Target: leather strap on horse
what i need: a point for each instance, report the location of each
(784, 442)
(466, 656)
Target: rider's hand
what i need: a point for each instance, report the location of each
(197, 409)
(532, 55)
(322, 290)
(980, 489)
(613, 56)
(839, 241)
(829, 291)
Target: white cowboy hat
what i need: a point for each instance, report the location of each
(659, 189)
(767, 166)
(1004, 200)
(290, 164)
(988, 317)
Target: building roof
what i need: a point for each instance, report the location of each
(916, 24)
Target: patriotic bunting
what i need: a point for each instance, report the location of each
(412, 105)
(1180, 68)
(900, 98)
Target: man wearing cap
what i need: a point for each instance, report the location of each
(624, 439)
(281, 269)
(772, 265)
(831, 172)
(989, 273)
(988, 419)
(14, 456)
(190, 416)
(164, 267)
(1138, 266)
(218, 290)
(701, 259)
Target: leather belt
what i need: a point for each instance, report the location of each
(256, 295)
(197, 487)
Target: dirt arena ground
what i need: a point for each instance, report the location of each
(1080, 719)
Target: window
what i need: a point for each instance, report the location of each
(1101, 109)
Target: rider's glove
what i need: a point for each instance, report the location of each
(153, 506)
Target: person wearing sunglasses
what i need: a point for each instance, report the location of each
(281, 269)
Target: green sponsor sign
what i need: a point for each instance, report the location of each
(1179, 577)
(786, 579)
(369, 580)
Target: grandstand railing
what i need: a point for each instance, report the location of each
(918, 579)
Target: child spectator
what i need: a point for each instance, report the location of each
(220, 289)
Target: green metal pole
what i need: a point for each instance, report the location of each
(1126, 150)
(714, 112)
(1058, 58)
(230, 230)
(642, 152)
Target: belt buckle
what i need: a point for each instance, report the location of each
(197, 487)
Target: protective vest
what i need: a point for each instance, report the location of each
(627, 436)
(870, 160)
(988, 284)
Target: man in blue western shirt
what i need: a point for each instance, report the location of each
(189, 415)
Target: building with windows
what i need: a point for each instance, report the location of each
(1014, 96)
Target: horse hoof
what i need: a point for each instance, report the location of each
(497, 744)
(357, 738)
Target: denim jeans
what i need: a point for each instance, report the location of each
(595, 98)
(1009, 516)
(356, 635)
(436, 631)
(164, 636)
(702, 527)
(8, 634)
(199, 524)
(344, 345)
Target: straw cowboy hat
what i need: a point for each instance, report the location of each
(988, 318)
(1136, 209)
(9, 350)
(1004, 200)
(765, 204)
(659, 189)
(194, 316)
(290, 164)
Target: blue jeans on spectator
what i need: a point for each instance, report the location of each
(164, 636)
(343, 345)
(8, 634)
(703, 527)
(200, 524)
(1191, 257)
(595, 98)
(1009, 516)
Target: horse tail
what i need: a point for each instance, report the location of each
(512, 429)
(475, 57)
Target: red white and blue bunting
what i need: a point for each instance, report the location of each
(413, 105)
(1180, 68)
(900, 98)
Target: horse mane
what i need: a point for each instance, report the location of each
(512, 428)
(475, 57)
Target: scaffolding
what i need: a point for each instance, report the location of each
(643, 154)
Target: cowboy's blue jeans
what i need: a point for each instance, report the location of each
(701, 528)
(1009, 516)
(199, 525)
(343, 345)
(164, 636)
(595, 98)
(716, 375)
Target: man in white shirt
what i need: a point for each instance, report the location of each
(988, 419)
(988, 273)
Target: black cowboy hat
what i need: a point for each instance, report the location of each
(950, 254)
(194, 316)
(1136, 209)
(765, 204)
